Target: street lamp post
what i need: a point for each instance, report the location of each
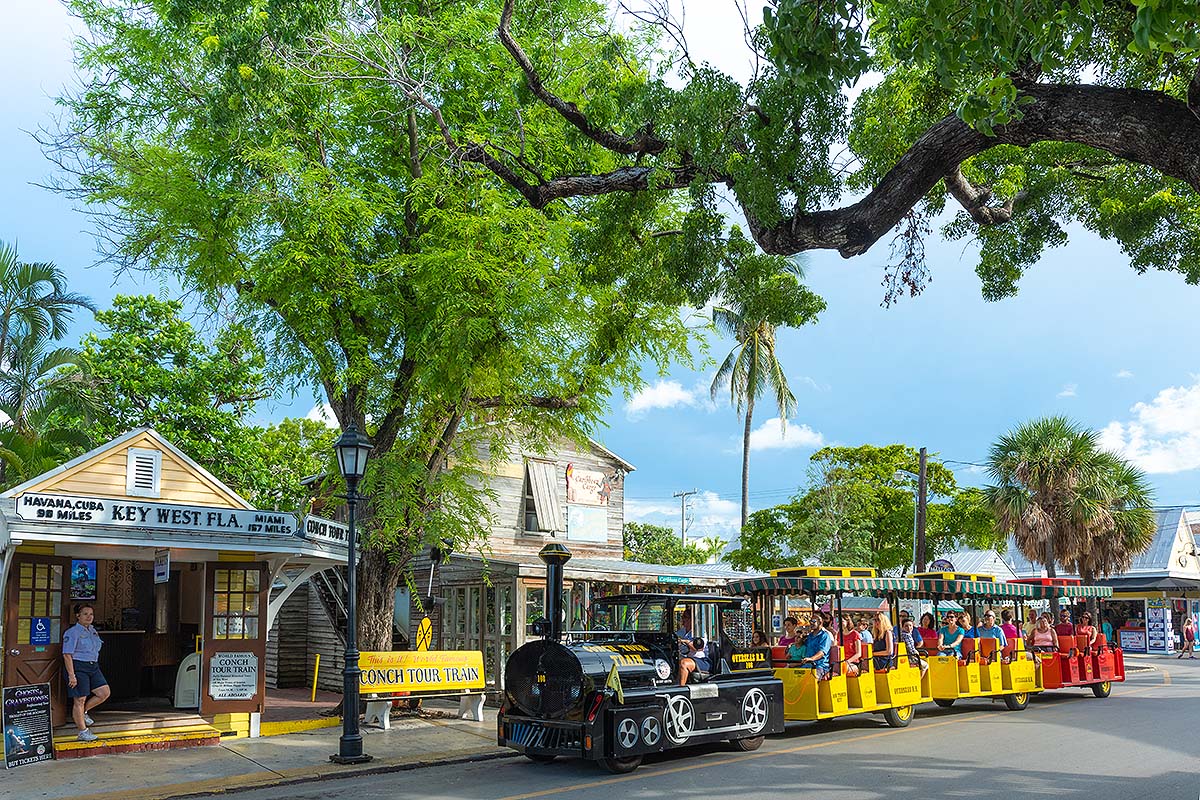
(352, 449)
(900, 475)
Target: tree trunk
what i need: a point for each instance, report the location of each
(1048, 559)
(377, 581)
(746, 460)
(1088, 578)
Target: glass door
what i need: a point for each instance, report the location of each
(36, 614)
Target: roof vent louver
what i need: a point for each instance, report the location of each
(143, 472)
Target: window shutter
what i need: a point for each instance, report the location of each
(143, 473)
(545, 495)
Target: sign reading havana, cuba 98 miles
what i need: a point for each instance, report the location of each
(78, 509)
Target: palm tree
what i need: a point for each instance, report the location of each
(762, 293)
(33, 300)
(1065, 501)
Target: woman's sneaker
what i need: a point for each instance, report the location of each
(87, 736)
(88, 721)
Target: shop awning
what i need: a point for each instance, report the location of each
(1151, 583)
(912, 588)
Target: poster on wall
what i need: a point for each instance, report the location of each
(83, 579)
(587, 524)
(28, 733)
(233, 676)
(1158, 623)
(588, 487)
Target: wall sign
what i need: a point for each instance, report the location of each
(587, 523)
(324, 531)
(417, 671)
(589, 487)
(233, 676)
(82, 510)
(162, 565)
(39, 630)
(1158, 622)
(28, 734)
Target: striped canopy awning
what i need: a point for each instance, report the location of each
(911, 588)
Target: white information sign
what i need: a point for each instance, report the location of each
(82, 510)
(233, 676)
(326, 531)
(162, 565)
(587, 523)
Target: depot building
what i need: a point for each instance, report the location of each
(186, 578)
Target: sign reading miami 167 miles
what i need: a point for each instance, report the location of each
(421, 671)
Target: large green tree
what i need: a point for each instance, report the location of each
(761, 295)
(655, 544)
(1066, 501)
(857, 512)
(228, 144)
(1024, 117)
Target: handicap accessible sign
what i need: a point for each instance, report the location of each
(39, 630)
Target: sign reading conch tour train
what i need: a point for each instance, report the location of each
(417, 671)
(78, 509)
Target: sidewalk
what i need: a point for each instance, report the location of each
(412, 742)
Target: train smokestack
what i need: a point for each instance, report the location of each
(554, 555)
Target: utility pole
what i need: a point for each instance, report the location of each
(923, 492)
(683, 496)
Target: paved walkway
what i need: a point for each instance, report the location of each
(411, 743)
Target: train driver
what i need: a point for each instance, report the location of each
(814, 653)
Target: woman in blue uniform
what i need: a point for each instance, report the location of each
(86, 685)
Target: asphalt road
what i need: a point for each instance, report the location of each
(1141, 742)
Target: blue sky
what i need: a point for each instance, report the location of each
(1086, 337)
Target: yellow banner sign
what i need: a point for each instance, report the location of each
(421, 671)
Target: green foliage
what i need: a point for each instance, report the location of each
(654, 544)
(855, 512)
(1066, 501)
(151, 368)
(284, 454)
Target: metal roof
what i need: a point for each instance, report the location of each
(1156, 559)
(912, 587)
(982, 562)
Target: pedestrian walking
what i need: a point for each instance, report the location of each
(1189, 639)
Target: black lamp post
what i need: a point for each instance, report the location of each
(352, 449)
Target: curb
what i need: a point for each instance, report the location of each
(235, 784)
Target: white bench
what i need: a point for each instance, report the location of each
(379, 706)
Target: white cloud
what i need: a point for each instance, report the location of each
(1123, 375)
(1068, 390)
(769, 436)
(710, 515)
(1164, 435)
(664, 394)
(322, 412)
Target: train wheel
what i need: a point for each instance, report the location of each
(899, 717)
(1102, 689)
(1016, 702)
(620, 766)
(746, 745)
(540, 758)
(943, 702)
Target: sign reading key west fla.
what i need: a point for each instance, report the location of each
(421, 671)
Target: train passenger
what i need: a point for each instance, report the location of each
(759, 639)
(964, 622)
(1043, 638)
(1086, 628)
(814, 653)
(864, 630)
(696, 659)
(1106, 628)
(1031, 619)
(988, 629)
(928, 627)
(850, 646)
(1008, 625)
(950, 637)
(684, 634)
(908, 635)
(1064, 626)
(883, 641)
(789, 632)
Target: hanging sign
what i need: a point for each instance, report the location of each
(162, 565)
(28, 733)
(233, 676)
(324, 531)
(82, 510)
(588, 487)
(419, 671)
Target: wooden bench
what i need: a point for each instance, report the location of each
(379, 706)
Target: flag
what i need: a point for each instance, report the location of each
(614, 683)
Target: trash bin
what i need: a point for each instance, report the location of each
(187, 682)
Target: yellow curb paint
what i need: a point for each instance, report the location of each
(296, 726)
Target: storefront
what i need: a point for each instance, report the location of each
(179, 570)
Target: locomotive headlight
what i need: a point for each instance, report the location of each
(662, 668)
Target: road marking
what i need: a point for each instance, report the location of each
(733, 760)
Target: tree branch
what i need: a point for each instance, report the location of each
(550, 403)
(1193, 93)
(975, 200)
(644, 142)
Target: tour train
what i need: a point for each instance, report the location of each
(612, 694)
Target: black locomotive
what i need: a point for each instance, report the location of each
(612, 694)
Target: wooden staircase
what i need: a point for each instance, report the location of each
(131, 732)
